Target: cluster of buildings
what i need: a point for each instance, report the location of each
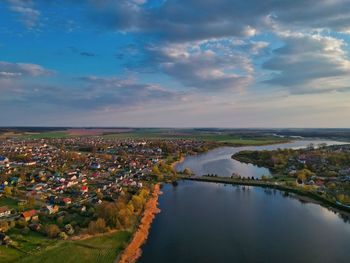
(56, 174)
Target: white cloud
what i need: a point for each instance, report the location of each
(25, 8)
(309, 63)
(16, 70)
(188, 20)
(203, 66)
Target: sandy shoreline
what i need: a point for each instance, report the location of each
(133, 251)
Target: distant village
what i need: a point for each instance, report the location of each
(320, 168)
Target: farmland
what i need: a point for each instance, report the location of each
(229, 137)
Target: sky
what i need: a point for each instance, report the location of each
(175, 63)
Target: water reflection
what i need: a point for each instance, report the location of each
(207, 222)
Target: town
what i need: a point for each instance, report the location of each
(70, 187)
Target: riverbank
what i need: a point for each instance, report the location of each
(305, 195)
(133, 251)
(173, 165)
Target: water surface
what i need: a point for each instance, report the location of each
(207, 222)
(218, 161)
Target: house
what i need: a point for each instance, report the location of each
(4, 211)
(319, 182)
(67, 201)
(49, 209)
(95, 166)
(30, 215)
(3, 160)
(84, 189)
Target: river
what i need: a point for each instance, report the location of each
(219, 161)
(209, 222)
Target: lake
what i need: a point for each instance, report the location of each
(218, 161)
(208, 222)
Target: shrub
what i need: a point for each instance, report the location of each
(22, 223)
(52, 230)
(4, 226)
(62, 235)
(69, 229)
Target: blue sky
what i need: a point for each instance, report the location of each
(175, 63)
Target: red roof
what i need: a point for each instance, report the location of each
(67, 200)
(29, 213)
(319, 182)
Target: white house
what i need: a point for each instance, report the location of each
(4, 211)
(3, 160)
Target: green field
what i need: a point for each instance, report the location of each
(230, 139)
(96, 249)
(224, 137)
(28, 243)
(9, 202)
(45, 135)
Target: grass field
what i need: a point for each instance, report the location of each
(222, 138)
(11, 203)
(45, 135)
(96, 249)
(28, 243)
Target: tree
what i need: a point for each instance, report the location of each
(31, 202)
(60, 220)
(22, 223)
(4, 226)
(62, 235)
(344, 199)
(8, 190)
(155, 170)
(137, 202)
(144, 194)
(98, 226)
(301, 176)
(124, 217)
(108, 212)
(52, 230)
(187, 172)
